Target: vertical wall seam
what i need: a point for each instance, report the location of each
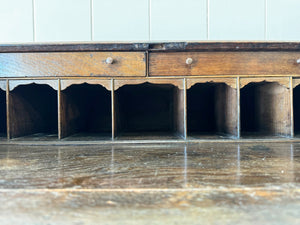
(33, 21)
(92, 19)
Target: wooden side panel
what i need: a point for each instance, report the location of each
(223, 63)
(68, 125)
(226, 109)
(179, 126)
(72, 64)
(21, 125)
(274, 109)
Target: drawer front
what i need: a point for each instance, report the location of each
(223, 63)
(72, 64)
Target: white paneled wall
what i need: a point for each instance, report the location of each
(178, 20)
(148, 20)
(62, 20)
(120, 20)
(283, 19)
(16, 21)
(236, 19)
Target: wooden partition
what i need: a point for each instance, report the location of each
(33, 109)
(85, 110)
(149, 109)
(265, 108)
(212, 109)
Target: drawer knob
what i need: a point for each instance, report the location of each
(298, 61)
(109, 60)
(189, 61)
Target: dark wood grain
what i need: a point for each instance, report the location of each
(225, 46)
(150, 46)
(76, 47)
(224, 63)
(72, 64)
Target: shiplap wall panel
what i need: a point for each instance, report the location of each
(121, 20)
(236, 20)
(148, 20)
(178, 20)
(16, 21)
(62, 20)
(283, 19)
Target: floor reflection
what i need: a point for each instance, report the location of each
(150, 166)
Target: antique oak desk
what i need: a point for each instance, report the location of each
(174, 92)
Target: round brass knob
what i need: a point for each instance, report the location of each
(189, 61)
(298, 61)
(109, 60)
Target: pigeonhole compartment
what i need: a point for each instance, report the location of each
(3, 125)
(149, 111)
(86, 112)
(33, 111)
(265, 110)
(212, 111)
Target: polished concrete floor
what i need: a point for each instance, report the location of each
(205, 183)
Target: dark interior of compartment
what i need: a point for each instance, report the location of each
(296, 103)
(2, 113)
(249, 108)
(145, 108)
(201, 108)
(33, 110)
(265, 109)
(211, 109)
(87, 109)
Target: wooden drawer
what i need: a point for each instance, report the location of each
(224, 63)
(72, 64)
